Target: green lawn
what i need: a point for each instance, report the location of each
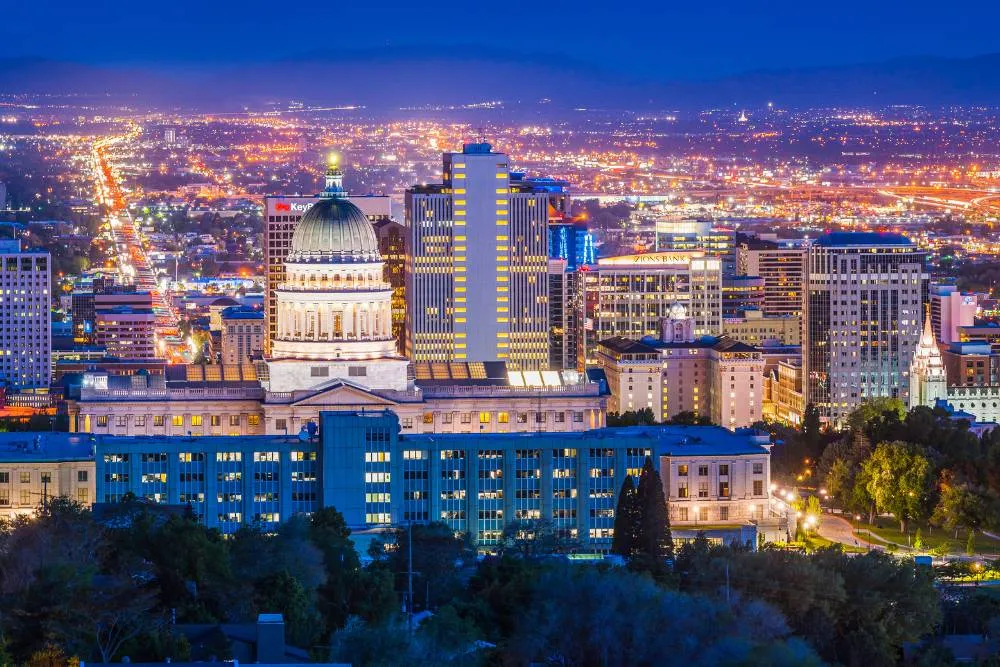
(932, 537)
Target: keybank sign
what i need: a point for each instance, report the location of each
(290, 206)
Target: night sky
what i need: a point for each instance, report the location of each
(647, 39)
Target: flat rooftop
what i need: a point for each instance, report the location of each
(45, 446)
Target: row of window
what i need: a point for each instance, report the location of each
(44, 477)
(176, 420)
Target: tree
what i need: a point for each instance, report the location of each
(119, 612)
(898, 478)
(961, 505)
(438, 553)
(535, 537)
(653, 539)
(627, 516)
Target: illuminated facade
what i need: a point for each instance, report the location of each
(334, 350)
(36, 467)
(476, 280)
(281, 214)
(756, 328)
(25, 316)
(783, 270)
(718, 378)
(377, 477)
(950, 310)
(242, 334)
(865, 293)
(392, 245)
(629, 296)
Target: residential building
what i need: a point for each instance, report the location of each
(477, 281)
(629, 296)
(25, 317)
(863, 305)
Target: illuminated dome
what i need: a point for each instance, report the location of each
(333, 230)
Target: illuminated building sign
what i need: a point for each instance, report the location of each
(651, 258)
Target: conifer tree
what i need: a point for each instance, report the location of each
(653, 538)
(626, 520)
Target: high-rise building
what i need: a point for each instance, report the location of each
(281, 215)
(864, 298)
(392, 245)
(951, 309)
(170, 136)
(704, 235)
(25, 317)
(477, 281)
(783, 270)
(3, 195)
(563, 315)
(740, 294)
(629, 296)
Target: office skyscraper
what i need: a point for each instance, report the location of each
(864, 298)
(782, 268)
(25, 317)
(477, 278)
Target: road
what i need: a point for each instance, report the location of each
(130, 254)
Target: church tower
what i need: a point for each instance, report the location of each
(928, 381)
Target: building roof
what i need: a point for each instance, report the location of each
(334, 231)
(242, 313)
(45, 446)
(628, 346)
(667, 440)
(225, 301)
(834, 239)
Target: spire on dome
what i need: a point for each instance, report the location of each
(334, 178)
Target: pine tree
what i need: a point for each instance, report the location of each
(626, 520)
(653, 538)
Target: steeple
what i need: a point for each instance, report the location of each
(928, 380)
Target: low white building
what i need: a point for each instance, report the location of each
(36, 467)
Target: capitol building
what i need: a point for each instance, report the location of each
(335, 350)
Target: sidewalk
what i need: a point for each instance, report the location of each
(840, 530)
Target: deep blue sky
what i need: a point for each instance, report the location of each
(645, 38)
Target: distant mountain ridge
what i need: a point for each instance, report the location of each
(387, 79)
